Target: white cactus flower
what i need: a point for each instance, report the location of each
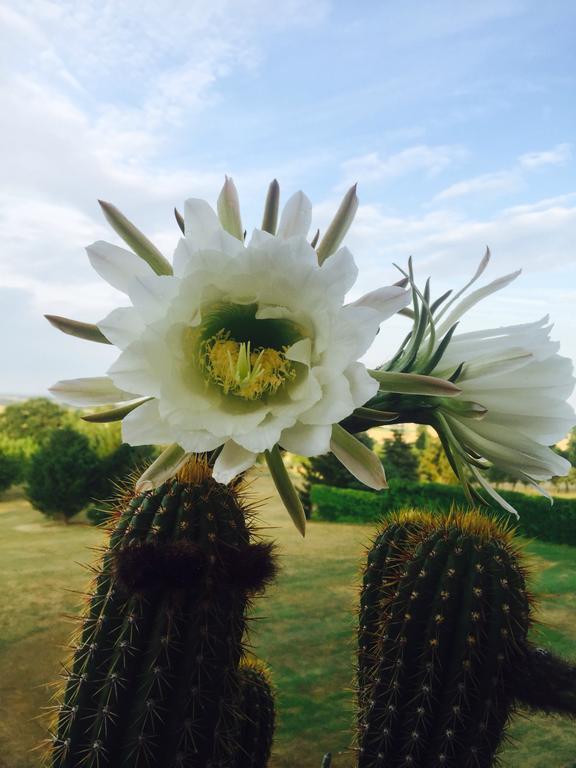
(521, 383)
(513, 386)
(238, 347)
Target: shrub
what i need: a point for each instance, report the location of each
(63, 473)
(538, 519)
(14, 457)
(9, 470)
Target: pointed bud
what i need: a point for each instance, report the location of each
(339, 226)
(114, 414)
(136, 240)
(286, 490)
(270, 218)
(87, 331)
(179, 220)
(229, 209)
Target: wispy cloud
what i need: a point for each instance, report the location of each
(499, 182)
(559, 155)
(506, 181)
(374, 166)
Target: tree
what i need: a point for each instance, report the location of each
(434, 466)
(9, 470)
(422, 438)
(63, 474)
(399, 459)
(37, 418)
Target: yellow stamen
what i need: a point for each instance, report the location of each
(244, 372)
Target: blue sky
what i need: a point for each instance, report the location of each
(456, 119)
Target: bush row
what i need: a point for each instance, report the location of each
(538, 519)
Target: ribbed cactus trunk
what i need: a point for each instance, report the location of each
(453, 619)
(155, 677)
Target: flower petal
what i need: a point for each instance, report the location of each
(386, 301)
(122, 326)
(232, 460)
(339, 274)
(144, 426)
(151, 295)
(362, 385)
(307, 439)
(116, 265)
(98, 390)
(296, 217)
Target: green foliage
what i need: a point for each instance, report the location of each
(434, 467)
(538, 519)
(399, 459)
(14, 456)
(62, 474)
(156, 678)
(9, 470)
(35, 418)
(327, 470)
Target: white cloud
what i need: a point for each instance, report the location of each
(559, 155)
(422, 157)
(540, 236)
(506, 181)
(501, 182)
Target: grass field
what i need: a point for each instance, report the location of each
(305, 630)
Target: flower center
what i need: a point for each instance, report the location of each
(243, 371)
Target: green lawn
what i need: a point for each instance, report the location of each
(305, 630)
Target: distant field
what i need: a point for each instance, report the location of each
(305, 631)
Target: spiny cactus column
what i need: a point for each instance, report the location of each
(154, 680)
(257, 722)
(454, 614)
(385, 562)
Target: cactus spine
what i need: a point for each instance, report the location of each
(453, 620)
(155, 677)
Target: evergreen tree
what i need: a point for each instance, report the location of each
(63, 474)
(399, 459)
(434, 466)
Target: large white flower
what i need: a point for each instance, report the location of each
(513, 401)
(241, 347)
(513, 386)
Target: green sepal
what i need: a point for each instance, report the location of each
(270, 217)
(86, 331)
(286, 490)
(114, 414)
(135, 239)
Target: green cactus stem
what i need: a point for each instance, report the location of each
(154, 680)
(258, 715)
(454, 615)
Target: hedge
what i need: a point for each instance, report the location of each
(538, 519)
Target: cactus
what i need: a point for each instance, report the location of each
(454, 615)
(257, 721)
(155, 676)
